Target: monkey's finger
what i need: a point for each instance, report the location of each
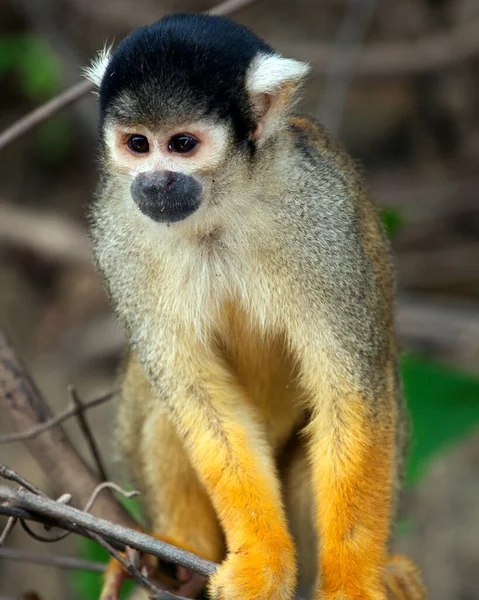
(191, 583)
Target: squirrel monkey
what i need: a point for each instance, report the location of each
(261, 414)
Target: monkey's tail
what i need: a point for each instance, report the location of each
(403, 579)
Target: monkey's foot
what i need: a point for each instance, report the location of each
(403, 579)
(183, 582)
(253, 575)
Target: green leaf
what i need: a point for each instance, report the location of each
(444, 407)
(393, 220)
(35, 64)
(39, 68)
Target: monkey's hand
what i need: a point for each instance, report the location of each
(403, 579)
(256, 574)
(182, 583)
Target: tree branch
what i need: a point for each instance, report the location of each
(19, 513)
(59, 513)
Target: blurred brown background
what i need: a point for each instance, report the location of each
(410, 116)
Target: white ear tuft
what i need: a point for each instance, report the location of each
(96, 70)
(269, 72)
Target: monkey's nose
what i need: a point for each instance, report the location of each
(153, 185)
(166, 196)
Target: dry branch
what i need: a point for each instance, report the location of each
(59, 513)
(7, 530)
(19, 513)
(6, 502)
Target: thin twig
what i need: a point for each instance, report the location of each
(69, 412)
(7, 530)
(112, 486)
(345, 56)
(84, 528)
(87, 432)
(164, 567)
(43, 538)
(44, 112)
(11, 475)
(51, 560)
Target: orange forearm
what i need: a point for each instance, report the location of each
(353, 478)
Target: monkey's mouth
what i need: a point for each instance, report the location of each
(166, 196)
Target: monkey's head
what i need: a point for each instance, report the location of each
(187, 105)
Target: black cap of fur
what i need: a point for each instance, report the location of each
(182, 67)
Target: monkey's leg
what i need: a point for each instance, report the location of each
(176, 503)
(352, 453)
(401, 576)
(228, 448)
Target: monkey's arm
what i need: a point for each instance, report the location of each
(352, 453)
(342, 309)
(227, 448)
(175, 501)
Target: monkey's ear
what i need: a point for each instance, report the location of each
(97, 68)
(272, 82)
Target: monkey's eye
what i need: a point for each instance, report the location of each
(182, 144)
(138, 144)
